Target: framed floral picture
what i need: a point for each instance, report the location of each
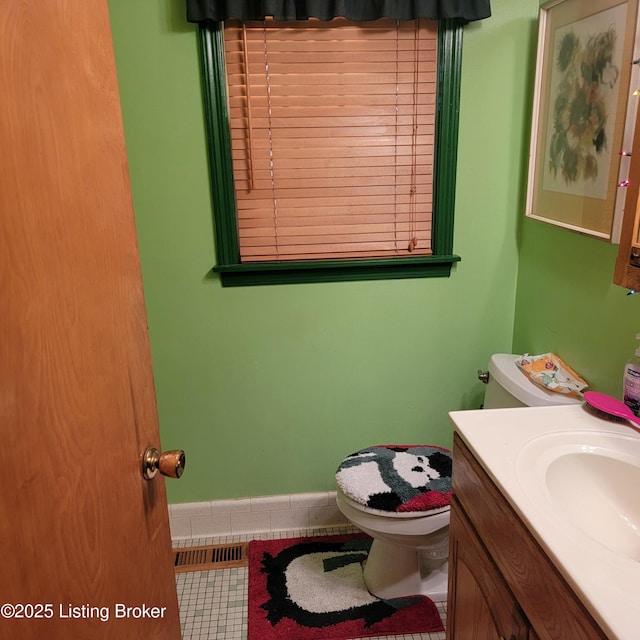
(583, 114)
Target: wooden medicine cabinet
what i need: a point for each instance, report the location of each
(627, 269)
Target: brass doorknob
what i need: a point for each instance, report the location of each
(169, 463)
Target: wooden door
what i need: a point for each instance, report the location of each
(480, 604)
(86, 550)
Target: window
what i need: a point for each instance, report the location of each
(375, 198)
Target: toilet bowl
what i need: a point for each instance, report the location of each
(409, 524)
(400, 496)
(417, 544)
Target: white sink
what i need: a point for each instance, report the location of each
(574, 479)
(591, 480)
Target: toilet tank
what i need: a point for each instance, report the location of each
(510, 387)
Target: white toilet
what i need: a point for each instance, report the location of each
(409, 523)
(507, 386)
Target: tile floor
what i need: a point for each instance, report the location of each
(213, 604)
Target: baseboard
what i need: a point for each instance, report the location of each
(254, 515)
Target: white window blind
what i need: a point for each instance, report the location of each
(332, 129)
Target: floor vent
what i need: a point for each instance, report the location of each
(211, 557)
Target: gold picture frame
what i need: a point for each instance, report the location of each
(583, 114)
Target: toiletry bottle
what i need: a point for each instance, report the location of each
(632, 381)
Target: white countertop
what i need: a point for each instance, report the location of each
(510, 446)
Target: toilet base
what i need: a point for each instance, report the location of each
(410, 572)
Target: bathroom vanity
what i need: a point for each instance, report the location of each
(521, 565)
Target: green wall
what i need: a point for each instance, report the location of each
(566, 303)
(268, 388)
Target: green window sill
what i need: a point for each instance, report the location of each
(260, 273)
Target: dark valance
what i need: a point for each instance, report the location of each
(356, 10)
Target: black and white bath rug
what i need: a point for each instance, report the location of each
(312, 588)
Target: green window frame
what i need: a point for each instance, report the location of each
(235, 273)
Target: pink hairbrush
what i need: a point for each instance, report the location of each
(609, 407)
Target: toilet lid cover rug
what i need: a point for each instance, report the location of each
(398, 478)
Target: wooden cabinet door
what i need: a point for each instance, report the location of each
(85, 539)
(480, 604)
